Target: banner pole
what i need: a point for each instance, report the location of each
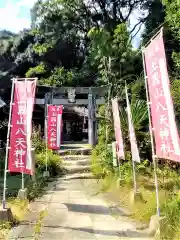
(107, 110)
(7, 146)
(46, 137)
(129, 114)
(151, 136)
(22, 187)
(119, 167)
(134, 176)
(22, 174)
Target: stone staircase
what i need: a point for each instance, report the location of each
(75, 149)
(77, 166)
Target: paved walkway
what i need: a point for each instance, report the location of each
(74, 214)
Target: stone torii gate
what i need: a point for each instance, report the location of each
(73, 96)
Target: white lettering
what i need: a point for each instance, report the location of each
(21, 110)
(166, 148)
(164, 133)
(164, 120)
(52, 139)
(53, 119)
(20, 131)
(159, 93)
(21, 121)
(160, 106)
(20, 142)
(155, 79)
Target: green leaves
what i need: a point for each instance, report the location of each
(173, 15)
(41, 49)
(139, 113)
(35, 71)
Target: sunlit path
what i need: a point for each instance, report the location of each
(72, 212)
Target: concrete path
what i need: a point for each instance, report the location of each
(72, 212)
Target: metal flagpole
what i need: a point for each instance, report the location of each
(134, 175)
(107, 113)
(7, 146)
(152, 141)
(119, 167)
(109, 93)
(22, 174)
(46, 117)
(116, 161)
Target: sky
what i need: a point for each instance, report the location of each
(15, 16)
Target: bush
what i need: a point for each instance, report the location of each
(54, 163)
(37, 142)
(36, 188)
(172, 211)
(101, 164)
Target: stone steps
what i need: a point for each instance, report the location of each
(83, 151)
(83, 162)
(77, 160)
(77, 169)
(86, 175)
(75, 157)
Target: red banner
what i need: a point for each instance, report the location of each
(20, 136)
(117, 129)
(162, 112)
(54, 124)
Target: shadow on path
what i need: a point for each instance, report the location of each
(115, 233)
(92, 209)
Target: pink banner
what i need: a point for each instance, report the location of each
(117, 129)
(20, 137)
(54, 124)
(162, 112)
(133, 142)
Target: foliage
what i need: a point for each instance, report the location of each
(146, 207)
(36, 188)
(37, 142)
(105, 125)
(139, 113)
(155, 17)
(101, 161)
(38, 225)
(53, 161)
(172, 18)
(113, 55)
(59, 77)
(36, 71)
(41, 49)
(59, 39)
(175, 91)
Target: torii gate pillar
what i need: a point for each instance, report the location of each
(92, 126)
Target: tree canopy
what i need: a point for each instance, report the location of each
(60, 47)
(85, 43)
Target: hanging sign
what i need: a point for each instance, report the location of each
(163, 120)
(54, 124)
(133, 142)
(117, 129)
(20, 159)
